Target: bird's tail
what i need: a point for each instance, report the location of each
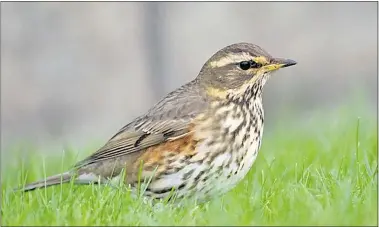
(49, 181)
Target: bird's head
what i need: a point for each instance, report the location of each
(239, 69)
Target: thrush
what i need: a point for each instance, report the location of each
(200, 140)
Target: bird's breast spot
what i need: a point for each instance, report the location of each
(172, 180)
(221, 159)
(223, 109)
(232, 123)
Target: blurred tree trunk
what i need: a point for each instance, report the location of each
(154, 37)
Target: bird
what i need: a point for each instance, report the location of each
(199, 141)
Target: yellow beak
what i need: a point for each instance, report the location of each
(278, 63)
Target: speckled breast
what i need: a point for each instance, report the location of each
(231, 143)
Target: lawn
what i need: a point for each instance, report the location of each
(321, 171)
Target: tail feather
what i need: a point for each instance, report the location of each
(83, 178)
(49, 181)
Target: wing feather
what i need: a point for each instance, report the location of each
(167, 120)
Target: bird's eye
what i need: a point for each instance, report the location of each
(245, 65)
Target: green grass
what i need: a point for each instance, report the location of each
(320, 172)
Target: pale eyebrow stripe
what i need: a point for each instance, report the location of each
(231, 58)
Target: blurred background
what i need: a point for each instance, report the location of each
(73, 73)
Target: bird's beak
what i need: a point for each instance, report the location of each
(277, 63)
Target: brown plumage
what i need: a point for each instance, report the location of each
(201, 139)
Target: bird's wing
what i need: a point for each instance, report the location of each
(167, 120)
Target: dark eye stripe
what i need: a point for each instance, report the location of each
(245, 65)
(255, 64)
